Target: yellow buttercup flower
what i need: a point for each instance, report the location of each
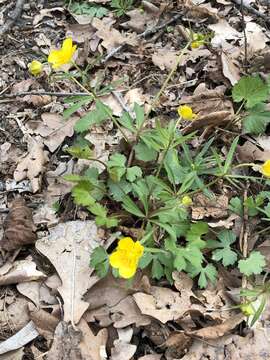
(62, 56)
(126, 257)
(186, 113)
(198, 40)
(265, 168)
(35, 67)
(186, 200)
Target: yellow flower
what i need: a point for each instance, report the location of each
(62, 56)
(186, 113)
(35, 67)
(186, 200)
(198, 40)
(126, 257)
(265, 168)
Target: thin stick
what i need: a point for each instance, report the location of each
(41, 93)
(244, 32)
(253, 11)
(13, 17)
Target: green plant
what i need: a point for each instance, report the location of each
(252, 91)
(85, 8)
(120, 7)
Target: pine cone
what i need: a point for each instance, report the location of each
(19, 228)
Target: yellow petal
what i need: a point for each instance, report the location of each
(62, 56)
(126, 243)
(116, 259)
(128, 272)
(186, 112)
(265, 169)
(138, 248)
(35, 67)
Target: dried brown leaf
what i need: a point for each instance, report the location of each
(71, 243)
(111, 37)
(204, 207)
(21, 271)
(19, 228)
(122, 349)
(45, 322)
(216, 331)
(32, 166)
(177, 345)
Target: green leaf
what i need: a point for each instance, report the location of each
(144, 153)
(195, 232)
(97, 116)
(81, 194)
(98, 255)
(98, 210)
(117, 160)
(103, 268)
(133, 173)
(254, 264)
(80, 152)
(225, 253)
(127, 121)
(145, 260)
(172, 167)
(84, 8)
(236, 206)
(74, 107)
(252, 89)
(157, 270)
(120, 189)
(187, 182)
(116, 173)
(130, 206)
(179, 261)
(229, 157)
(193, 255)
(209, 272)
(256, 122)
(139, 112)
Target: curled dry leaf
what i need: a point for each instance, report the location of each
(71, 243)
(216, 331)
(30, 289)
(122, 349)
(230, 70)
(21, 338)
(211, 107)
(19, 228)
(204, 207)
(21, 271)
(259, 150)
(14, 316)
(32, 166)
(45, 322)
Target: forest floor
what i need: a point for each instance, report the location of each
(151, 142)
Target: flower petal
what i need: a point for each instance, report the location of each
(129, 271)
(116, 259)
(125, 244)
(265, 169)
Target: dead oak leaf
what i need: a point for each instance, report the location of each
(68, 247)
(53, 129)
(32, 166)
(204, 207)
(111, 37)
(122, 349)
(163, 304)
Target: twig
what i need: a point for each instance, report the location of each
(13, 17)
(243, 239)
(253, 11)
(147, 32)
(40, 93)
(244, 32)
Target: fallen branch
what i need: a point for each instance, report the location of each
(13, 17)
(253, 11)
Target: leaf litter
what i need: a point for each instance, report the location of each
(57, 295)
